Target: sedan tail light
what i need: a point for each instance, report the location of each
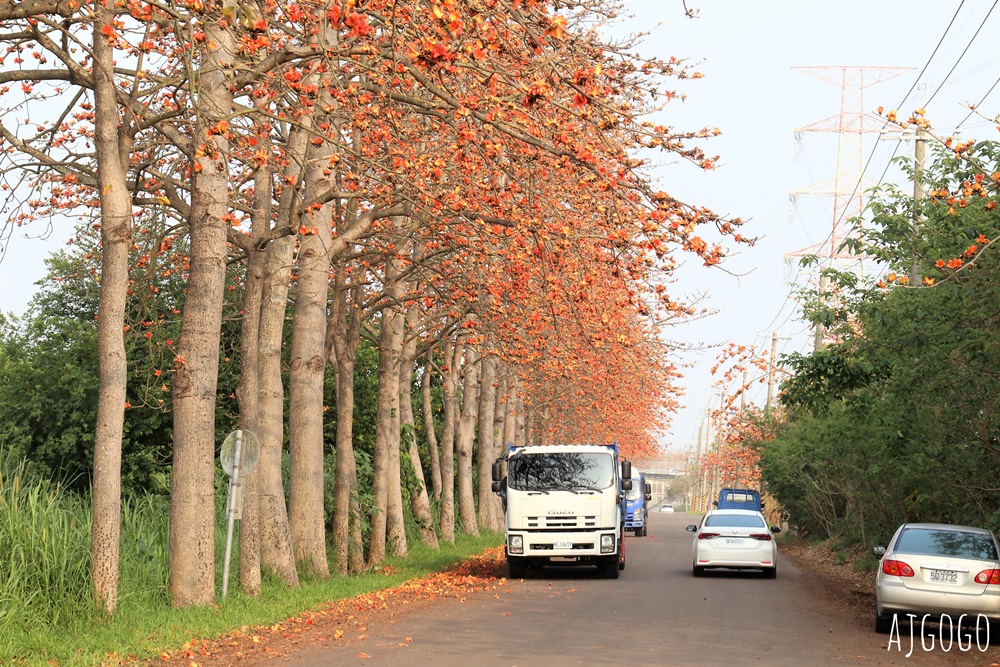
(988, 577)
(896, 568)
(763, 537)
(707, 536)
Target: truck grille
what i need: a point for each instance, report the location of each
(549, 547)
(562, 522)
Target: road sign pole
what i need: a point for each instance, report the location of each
(233, 511)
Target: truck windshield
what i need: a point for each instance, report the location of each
(636, 491)
(560, 471)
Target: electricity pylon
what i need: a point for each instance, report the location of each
(848, 185)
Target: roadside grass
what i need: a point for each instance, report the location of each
(47, 614)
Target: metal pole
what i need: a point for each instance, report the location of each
(770, 368)
(919, 151)
(233, 510)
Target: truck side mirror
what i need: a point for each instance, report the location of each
(627, 470)
(497, 471)
(626, 485)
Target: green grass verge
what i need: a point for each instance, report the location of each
(47, 616)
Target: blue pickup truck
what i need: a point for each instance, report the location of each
(739, 499)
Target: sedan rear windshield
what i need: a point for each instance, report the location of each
(735, 521)
(954, 543)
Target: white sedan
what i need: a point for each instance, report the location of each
(738, 539)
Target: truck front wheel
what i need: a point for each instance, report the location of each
(609, 568)
(516, 567)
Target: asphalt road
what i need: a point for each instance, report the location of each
(655, 614)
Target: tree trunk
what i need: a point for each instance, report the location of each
(452, 355)
(500, 411)
(518, 425)
(116, 240)
(419, 502)
(344, 334)
(248, 391)
(305, 379)
(387, 520)
(276, 554)
(196, 367)
(427, 406)
(490, 511)
(464, 442)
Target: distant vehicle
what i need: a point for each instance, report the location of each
(666, 508)
(739, 499)
(637, 508)
(938, 569)
(738, 539)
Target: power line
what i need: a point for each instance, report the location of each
(927, 64)
(964, 51)
(871, 155)
(976, 107)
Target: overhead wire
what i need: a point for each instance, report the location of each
(979, 104)
(964, 51)
(805, 342)
(872, 153)
(933, 53)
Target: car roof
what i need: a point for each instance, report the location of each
(946, 526)
(726, 511)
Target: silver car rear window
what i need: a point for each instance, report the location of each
(955, 543)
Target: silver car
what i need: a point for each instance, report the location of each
(734, 539)
(937, 572)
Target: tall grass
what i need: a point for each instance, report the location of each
(47, 613)
(44, 550)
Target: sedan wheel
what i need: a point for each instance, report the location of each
(771, 572)
(697, 570)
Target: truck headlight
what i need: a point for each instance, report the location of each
(607, 544)
(516, 544)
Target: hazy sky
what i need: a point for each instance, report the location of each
(746, 50)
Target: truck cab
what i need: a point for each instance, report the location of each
(637, 508)
(739, 499)
(564, 505)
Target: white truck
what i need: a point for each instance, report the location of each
(564, 505)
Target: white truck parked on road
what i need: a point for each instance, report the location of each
(563, 505)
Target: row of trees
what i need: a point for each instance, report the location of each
(896, 417)
(459, 181)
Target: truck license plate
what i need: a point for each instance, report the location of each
(563, 544)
